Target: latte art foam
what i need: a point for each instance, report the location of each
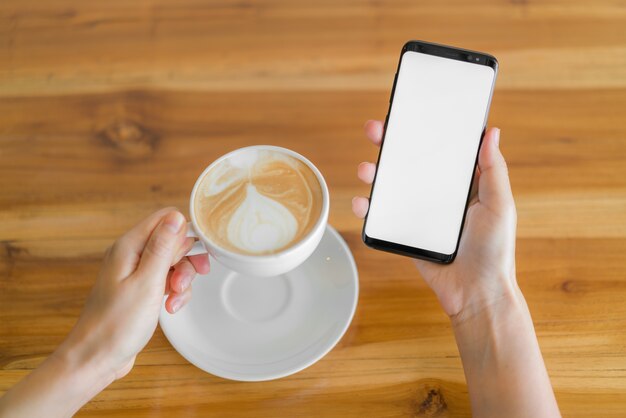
(258, 202)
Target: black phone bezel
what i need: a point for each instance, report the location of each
(474, 57)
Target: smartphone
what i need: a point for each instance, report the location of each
(432, 134)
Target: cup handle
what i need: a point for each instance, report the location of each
(198, 246)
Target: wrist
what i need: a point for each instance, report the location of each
(59, 387)
(86, 362)
(501, 356)
(486, 298)
(485, 331)
(493, 310)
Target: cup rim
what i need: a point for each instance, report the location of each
(321, 221)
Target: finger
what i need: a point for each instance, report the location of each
(184, 272)
(366, 172)
(360, 205)
(474, 190)
(184, 249)
(161, 248)
(200, 263)
(175, 301)
(126, 251)
(374, 131)
(494, 188)
(168, 288)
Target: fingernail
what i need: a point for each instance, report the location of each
(354, 199)
(176, 305)
(174, 221)
(497, 137)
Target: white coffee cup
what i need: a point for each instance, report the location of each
(261, 265)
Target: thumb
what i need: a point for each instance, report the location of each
(162, 247)
(494, 187)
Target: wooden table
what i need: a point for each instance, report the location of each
(109, 110)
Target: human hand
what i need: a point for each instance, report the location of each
(117, 321)
(122, 310)
(483, 272)
(491, 322)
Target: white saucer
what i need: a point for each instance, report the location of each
(253, 329)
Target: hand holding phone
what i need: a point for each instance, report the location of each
(479, 291)
(480, 294)
(485, 265)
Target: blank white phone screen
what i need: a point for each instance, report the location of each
(426, 163)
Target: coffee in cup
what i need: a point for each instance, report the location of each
(258, 202)
(259, 210)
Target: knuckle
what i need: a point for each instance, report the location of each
(159, 245)
(188, 266)
(117, 248)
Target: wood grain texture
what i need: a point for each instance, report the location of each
(109, 110)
